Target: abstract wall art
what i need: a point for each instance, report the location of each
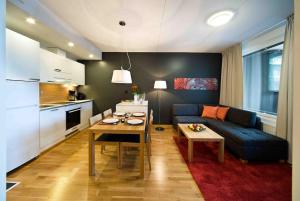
(195, 84)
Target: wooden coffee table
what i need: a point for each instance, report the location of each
(207, 135)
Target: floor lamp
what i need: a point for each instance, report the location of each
(159, 84)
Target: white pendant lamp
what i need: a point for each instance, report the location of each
(122, 76)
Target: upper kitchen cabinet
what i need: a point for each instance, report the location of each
(58, 69)
(77, 72)
(22, 57)
(53, 68)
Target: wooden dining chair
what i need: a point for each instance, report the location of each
(106, 138)
(107, 113)
(95, 119)
(134, 141)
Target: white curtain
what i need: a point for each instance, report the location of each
(284, 124)
(231, 93)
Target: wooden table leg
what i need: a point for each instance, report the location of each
(190, 150)
(142, 154)
(91, 154)
(178, 133)
(221, 151)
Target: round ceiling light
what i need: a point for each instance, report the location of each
(220, 18)
(70, 44)
(30, 20)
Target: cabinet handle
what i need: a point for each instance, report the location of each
(34, 79)
(75, 110)
(53, 110)
(57, 70)
(50, 81)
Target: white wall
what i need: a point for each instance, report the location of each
(296, 118)
(2, 65)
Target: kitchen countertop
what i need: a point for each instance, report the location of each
(49, 106)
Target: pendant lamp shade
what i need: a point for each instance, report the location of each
(121, 76)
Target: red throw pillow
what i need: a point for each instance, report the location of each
(222, 112)
(210, 112)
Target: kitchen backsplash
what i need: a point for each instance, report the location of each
(50, 93)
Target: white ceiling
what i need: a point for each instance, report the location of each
(48, 30)
(167, 25)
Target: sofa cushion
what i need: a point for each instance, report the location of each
(188, 119)
(242, 117)
(186, 110)
(222, 112)
(210, 111)
(244, 136)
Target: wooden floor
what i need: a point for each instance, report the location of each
(62, 174)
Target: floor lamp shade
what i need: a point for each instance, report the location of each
(160, 84)
(121, 76)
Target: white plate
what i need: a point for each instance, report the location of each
(110, 121)
(119, 113)
(135, 121)
(138, 114)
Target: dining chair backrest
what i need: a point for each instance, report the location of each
(150, 122)
(95, 119)
(107, 112)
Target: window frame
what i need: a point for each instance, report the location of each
(268, 118)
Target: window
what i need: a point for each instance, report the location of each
(262, 78)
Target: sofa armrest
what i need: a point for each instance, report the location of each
(258, 123)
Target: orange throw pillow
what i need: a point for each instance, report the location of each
(210, 112)
(222, 112)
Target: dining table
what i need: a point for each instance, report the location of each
(118, 128)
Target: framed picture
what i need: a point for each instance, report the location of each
(195, 84)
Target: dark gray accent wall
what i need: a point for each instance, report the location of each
(146, 68)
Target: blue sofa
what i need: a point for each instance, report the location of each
(242, 131)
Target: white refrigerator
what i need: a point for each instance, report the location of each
(22, 122)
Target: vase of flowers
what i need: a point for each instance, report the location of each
(135, 91)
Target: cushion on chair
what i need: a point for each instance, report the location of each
(106, 137)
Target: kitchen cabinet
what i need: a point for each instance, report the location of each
(86, 114)
(78, 72)
(22, 129)
(58, 69)
(21, 122)
(52, 127)
(22, 57)
(53, 68)
(53, 123)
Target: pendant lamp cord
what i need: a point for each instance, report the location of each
(128, 60)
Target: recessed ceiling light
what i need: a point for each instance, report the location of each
(30, 20)
(71, 44)
(220, 18)
(91, 56)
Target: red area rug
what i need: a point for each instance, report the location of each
(233, 180)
